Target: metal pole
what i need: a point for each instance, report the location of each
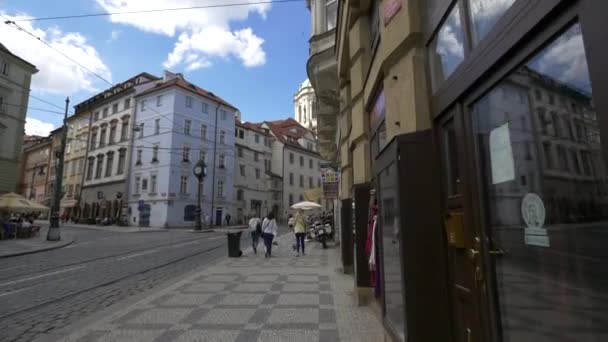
(199, 225)
(54, 233)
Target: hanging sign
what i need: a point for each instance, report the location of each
(533, 213)
(331, 183)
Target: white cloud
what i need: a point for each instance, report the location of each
(115, 35)
(57, 74)
(37, 127)
(204, 34)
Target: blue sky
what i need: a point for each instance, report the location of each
(253, 56)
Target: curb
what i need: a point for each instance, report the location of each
(32, 251)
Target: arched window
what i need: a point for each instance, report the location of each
(240, 195)
(189, 213)
(300, 113)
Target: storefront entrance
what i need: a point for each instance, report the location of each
(520, 120)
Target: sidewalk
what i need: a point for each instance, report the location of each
(285, 298)
(15, 247)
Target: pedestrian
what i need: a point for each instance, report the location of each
(269, 230)
(255, 228)
(299, 222)
(227, 219)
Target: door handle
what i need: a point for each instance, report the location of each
(496, 252)
(472, 253)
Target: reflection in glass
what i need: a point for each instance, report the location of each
(391, 261)
(484, 14)
(549, 211)
(447, 48)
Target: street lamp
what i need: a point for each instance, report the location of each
(200, 171)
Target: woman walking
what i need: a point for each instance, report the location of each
(269, 229)
(300, 229)
(255, 228)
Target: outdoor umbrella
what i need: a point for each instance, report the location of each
(15, 203)
(306, 206)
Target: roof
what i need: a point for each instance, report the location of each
(282, 130)
(256, 127)
(5, 49)
(181, 83)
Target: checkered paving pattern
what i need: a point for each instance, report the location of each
(284, 298)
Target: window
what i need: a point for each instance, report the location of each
(309, 146)
(124, 131)
(447, 48)
(240, 195)
(575, 163)
(90, 167)
(159, 100)
(242, 170)
(220, 189)
(77, 190)
(99, 167)
(257, 173)
(538, 95)
(290, 200)
(143, 106)
(203, 131)
(189, 213)
(112, 138)
(96, 116)
(586, 158)
(310, 184)
(241, 134)
(202, 155)
(222, 137)
(301, 181)
(301, 161)
(115, 108)
(109, 164)
(331, 14)
(556, 125)
(183, 185)
(240, 152)
(562, 158)
(155, 154)
(221, 161)
(141, 130)
(139, 152)
(256, 156)
(290, 178)
(157, 126)
(301, 198)
(205, 108)
(223, 115)
(551, 99)
(484, 14)
(93, 140)
(122, 154)
(187, 125)
(153, 184)
(127, 104)
(105, 112)
(4, 68)
(547, 151)
(144, 184)
(102, 137)
(186, 154)
(257, 138)
(310, 164)
(188, 102)
(291, 158)
(137, 185)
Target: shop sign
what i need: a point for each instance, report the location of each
(331, 183)
(533, 213)
(389, 9)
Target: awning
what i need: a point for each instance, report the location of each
(71, 203)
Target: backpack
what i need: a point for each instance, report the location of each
(258, 228)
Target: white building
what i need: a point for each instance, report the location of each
(304, 102)
(252, 181)
(180, 123)
(296, 160)
(15, 79)
(104, 184)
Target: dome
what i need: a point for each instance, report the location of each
(305, 84)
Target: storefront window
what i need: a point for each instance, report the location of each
(388, 181)
(549, 222)
(484, 14)
(447, 48)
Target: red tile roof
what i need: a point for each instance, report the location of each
(181, 83)
(257, 127)
(282, 130)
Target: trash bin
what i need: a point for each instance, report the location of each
(234, 244)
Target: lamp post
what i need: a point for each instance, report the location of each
(54, 233)
(200, 171)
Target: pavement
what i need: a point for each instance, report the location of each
(15, 247)
(284, 298)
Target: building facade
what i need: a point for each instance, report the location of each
(15, 81)
(178, 125)
(111, 123)
(35, 169)
(304, 102)
(252, 179)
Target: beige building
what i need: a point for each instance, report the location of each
(35, 160)
(15, 80)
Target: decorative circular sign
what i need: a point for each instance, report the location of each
(533, 211)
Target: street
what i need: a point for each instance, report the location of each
(46, 291)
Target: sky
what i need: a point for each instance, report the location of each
(253, 56)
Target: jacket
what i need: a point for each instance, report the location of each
(299, 224)
(270, 227)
